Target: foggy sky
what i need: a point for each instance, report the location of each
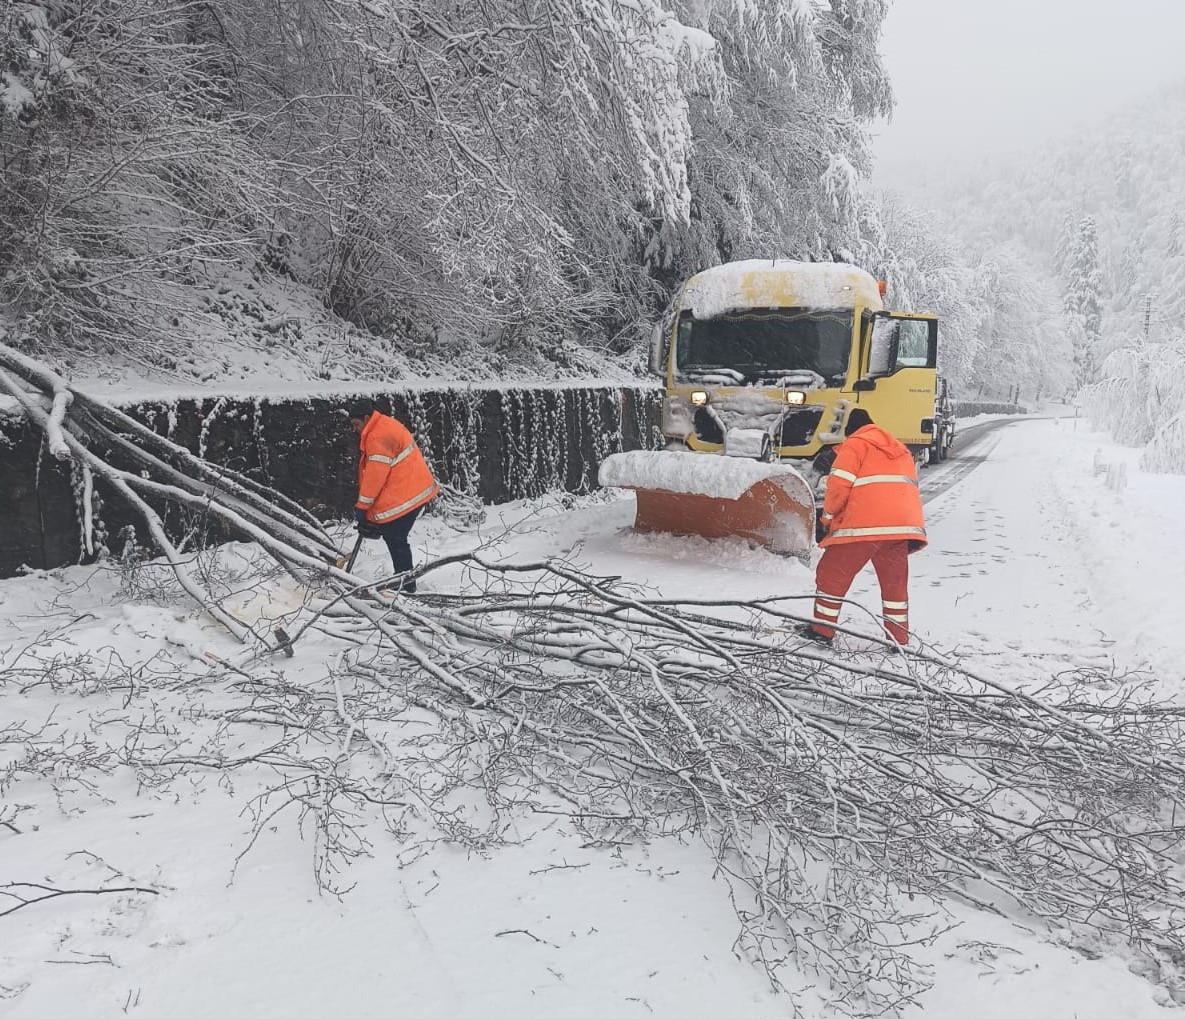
(974, 78)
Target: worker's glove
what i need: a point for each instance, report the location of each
(821, 526)
(360, 518)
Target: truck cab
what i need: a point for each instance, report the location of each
(764, 359)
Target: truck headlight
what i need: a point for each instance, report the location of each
(699, 398)
(795, 397)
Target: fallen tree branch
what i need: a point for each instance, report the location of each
(831, 787)
(892, 772)
(53, 893)
(78, 427)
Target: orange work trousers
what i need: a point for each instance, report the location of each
(838, 568)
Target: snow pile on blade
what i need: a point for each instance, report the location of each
(717, 497)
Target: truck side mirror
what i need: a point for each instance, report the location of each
(658, 350)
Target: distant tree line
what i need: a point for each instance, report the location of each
(1099, 219)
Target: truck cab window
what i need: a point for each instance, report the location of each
(913, 344)
(764, 344)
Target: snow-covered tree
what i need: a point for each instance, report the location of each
(1022, 346)
(513, 174)
(777, 169)
(1140, 398)
(1175, 247)
(925, 272)
(119, 187)
(1001, 327)
(1083, 300)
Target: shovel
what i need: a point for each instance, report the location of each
(347, 562)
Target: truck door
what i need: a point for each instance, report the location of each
(900, 385)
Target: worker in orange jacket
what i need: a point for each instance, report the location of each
(394, 482)
(872, 512)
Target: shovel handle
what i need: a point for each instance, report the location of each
(353, 555)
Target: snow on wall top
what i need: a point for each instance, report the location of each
(719, 477)
(778, 283)
(164, 393)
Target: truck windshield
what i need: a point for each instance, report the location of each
(765, 344)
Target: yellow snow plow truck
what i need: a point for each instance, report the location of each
(762, 361)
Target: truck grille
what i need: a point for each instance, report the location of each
(798, 428)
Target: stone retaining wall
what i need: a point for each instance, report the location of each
(494, 444)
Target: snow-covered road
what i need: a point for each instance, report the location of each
(1032, 554)
(1038, 565)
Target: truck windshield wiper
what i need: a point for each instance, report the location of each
(704, 372)
(798, 378)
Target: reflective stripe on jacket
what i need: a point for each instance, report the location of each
(393, 476)
(872, 492)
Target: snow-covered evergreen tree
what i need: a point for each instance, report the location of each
(1175, 247)
(1083, 300)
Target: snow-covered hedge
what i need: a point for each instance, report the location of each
(969, 408)
(1140, 399)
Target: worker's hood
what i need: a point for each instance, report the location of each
(876, 436)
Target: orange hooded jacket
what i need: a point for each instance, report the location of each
(393, 476)
(872, 492)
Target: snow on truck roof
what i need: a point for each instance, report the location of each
(778, 283)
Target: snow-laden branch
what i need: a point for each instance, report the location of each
(893, 773)
(163, 472)
(903, 772)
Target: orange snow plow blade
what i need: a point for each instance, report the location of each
(717, 497)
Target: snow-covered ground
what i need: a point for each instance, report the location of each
(1054, 555)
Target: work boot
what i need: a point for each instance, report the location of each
(808, 632)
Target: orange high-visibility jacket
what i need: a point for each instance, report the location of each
(393, 476)
(872, 492)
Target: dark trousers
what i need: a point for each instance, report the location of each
(395, 534)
